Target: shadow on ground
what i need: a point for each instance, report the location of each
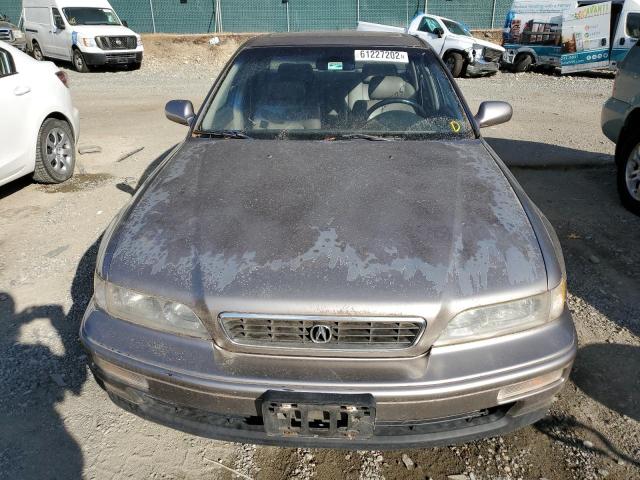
(610, 374)
(526, 154)
(598, 236)
(36, 375)
(15, 186)
(36, 372)
(568, 431)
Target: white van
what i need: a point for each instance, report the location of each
(87, 33)
(573, 35)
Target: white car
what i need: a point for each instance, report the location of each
(39, 125)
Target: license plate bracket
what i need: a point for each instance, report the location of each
(306, 414)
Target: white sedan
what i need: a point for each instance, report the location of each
(39, 125)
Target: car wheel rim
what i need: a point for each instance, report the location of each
(632, 174)
(79, 62)
(59, 150)
(37, 53)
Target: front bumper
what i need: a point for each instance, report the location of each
(113, 58)
(482, 67)
(445, 397)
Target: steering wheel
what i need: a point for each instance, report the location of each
(405, 101)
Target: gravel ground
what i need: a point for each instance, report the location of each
(57, 423)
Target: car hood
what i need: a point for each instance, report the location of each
(343, 227)
(488, 44)
(8, 25)
(477, 41)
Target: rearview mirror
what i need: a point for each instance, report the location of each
(180, 111)
(438, 31)
(59, 24)
(125, 23)
(493, 113)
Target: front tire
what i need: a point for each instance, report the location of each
(522, 63)
(78, 62)
(629, 175)
(454, 63)
(55, 152)
(36, 51)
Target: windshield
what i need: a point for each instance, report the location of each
(456, 28)
(341, 92)
(91, 16)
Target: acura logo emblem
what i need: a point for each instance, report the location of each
(320, 334)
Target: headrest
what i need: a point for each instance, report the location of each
(297, 71)
(378, 69)
(390, 87)
(283, 90)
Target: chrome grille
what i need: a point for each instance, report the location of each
(346, 333)
(117, 43)
(491, 55)
(6, 35)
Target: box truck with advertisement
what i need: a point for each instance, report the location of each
(573, 36)
(87, 33)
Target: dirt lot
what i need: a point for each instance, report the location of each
(55, 422)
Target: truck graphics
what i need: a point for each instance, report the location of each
(574, 36)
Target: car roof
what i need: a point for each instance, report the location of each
(327, 39)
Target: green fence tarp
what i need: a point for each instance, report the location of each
(198, 16)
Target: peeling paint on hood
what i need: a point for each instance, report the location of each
(327, 223)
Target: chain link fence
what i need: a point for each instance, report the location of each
(203, 16)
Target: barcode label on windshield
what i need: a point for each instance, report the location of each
(390, 56)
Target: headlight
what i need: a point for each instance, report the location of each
(505, 318)
(18, 34)
(88, 41)
(139, 40)
(146, 310)
(477, 51)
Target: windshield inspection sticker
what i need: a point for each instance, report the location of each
(455, 126)
(334, 66)
(389, 56)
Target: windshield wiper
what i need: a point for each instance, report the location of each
(235, 134)
(361, 136)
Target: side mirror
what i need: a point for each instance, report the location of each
(438, 31)
(125, 23)
(59, 24)
(493, 113)
(180, 111)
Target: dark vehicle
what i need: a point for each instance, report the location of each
(333, 257)
(12, 34)
(621, 124)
